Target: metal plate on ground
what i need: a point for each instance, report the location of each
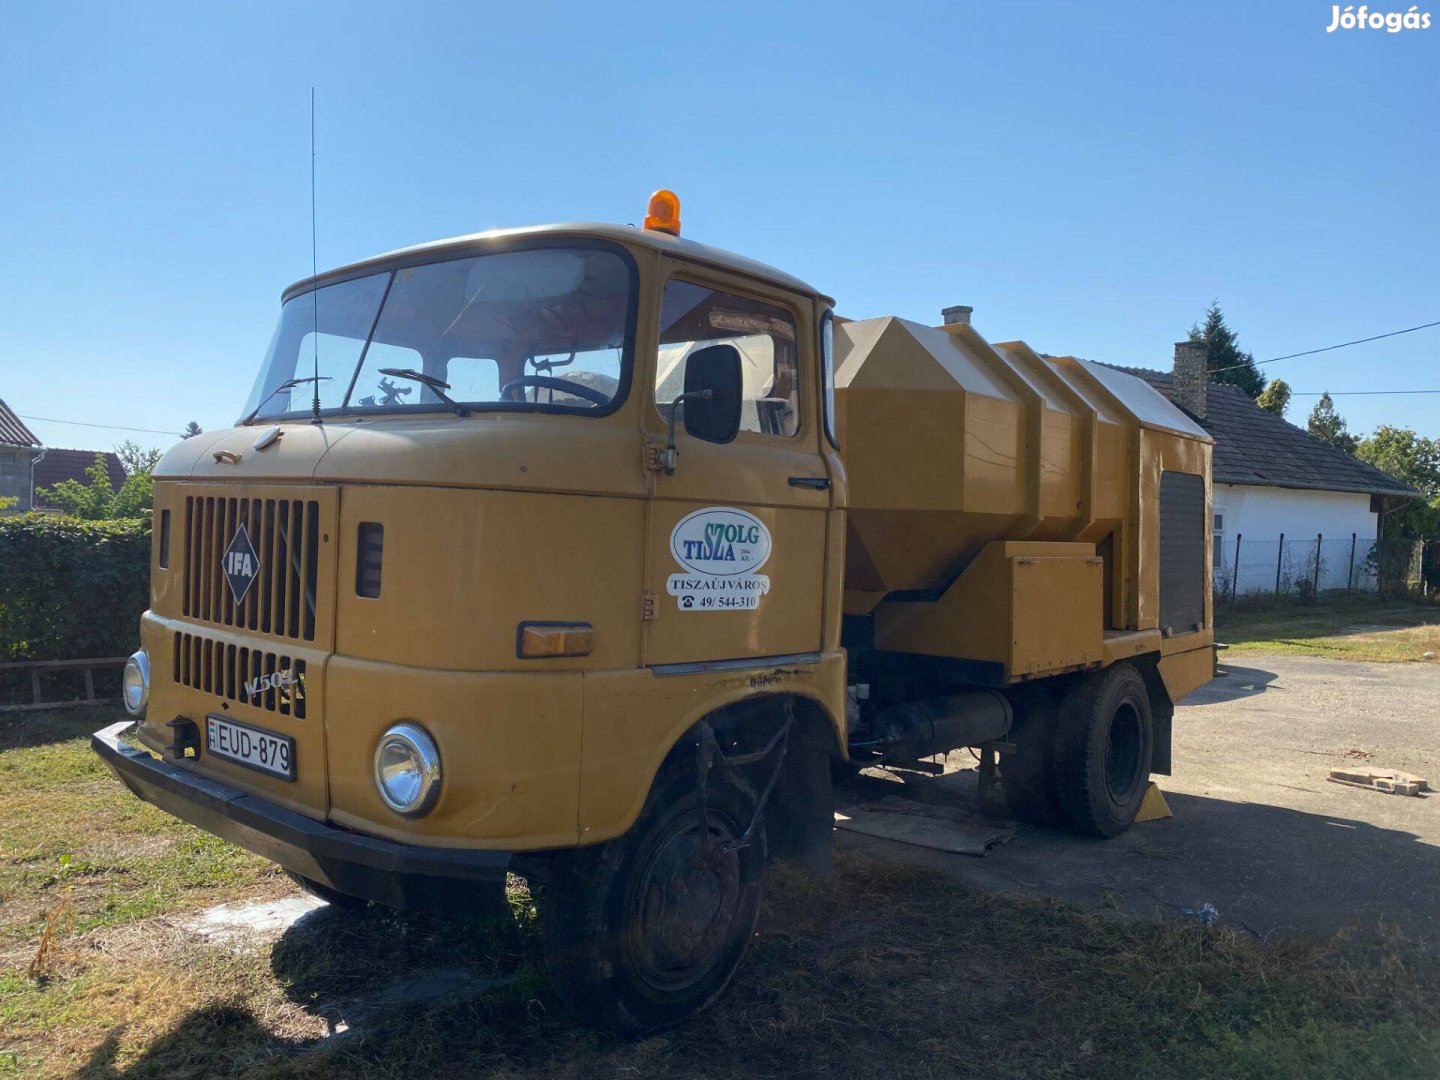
(937, 827)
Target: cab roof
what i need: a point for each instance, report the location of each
(676, 246)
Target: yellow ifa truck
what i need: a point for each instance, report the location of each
(584, 552)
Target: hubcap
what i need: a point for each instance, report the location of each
(1124, 745)
(687, 896)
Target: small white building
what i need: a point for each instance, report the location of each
(1291, 512)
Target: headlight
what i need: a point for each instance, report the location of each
(407, 769)
(135, 685)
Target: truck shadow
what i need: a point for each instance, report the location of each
(1271, 868)
(821, 946)
(886, 933)
(1232, 684)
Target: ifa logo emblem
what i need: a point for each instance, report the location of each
(241, 564)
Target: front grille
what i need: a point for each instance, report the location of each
(286, 536)
(241, 674)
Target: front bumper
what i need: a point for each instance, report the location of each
(387, 872)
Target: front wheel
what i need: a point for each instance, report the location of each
(647, 930)
(334, 897)
(1104, 743)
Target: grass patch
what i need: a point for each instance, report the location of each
(70, 832)
(878, 972)
(1343, 628)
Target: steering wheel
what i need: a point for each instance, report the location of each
(565, 386)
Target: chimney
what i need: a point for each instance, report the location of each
(1191, 376)
(960, 313)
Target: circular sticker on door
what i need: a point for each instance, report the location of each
(720, 548)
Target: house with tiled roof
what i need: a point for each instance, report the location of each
(19, 449)
(27, 466)
(1288, 508)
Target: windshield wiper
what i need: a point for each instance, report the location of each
(435, 386)
(286, 385)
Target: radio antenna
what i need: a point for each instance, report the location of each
(314, 271)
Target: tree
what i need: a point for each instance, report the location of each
(1329, 426)
(1415, 460)
(91, 501)
(1224, 360)
(97, 500)
(137, 459)
(191, 430)
(1275, 398)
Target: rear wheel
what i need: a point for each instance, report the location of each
(1027, 773)
(647, 930)
(1104, 742)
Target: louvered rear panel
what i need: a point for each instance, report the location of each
(1184, 537)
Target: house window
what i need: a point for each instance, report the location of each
(1217, 543)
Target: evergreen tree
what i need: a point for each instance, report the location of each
(1223, 357)
(1329, 426)
(1275, 398)
(191, 430)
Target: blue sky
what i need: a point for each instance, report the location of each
(1088, 176)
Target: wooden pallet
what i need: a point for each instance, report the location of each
(38, 667)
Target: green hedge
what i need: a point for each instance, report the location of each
(72, 589)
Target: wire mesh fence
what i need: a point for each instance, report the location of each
(1304, 566)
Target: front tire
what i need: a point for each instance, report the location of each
(647, 930)
(1104, 743)
(333, 897)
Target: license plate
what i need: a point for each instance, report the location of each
(263, 751)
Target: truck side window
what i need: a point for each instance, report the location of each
(693, 316)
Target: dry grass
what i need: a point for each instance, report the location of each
(879, 972)
(1348, 628)
(72, 835)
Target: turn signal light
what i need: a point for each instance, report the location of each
(664, 213)
(536, 640)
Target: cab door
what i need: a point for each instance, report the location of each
(735, 557)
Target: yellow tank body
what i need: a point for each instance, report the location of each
(989, 478)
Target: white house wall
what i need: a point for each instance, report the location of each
(1259, 515)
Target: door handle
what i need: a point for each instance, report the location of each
(819, 483)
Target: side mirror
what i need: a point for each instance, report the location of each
(713, 386)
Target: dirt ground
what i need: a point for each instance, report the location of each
(1258, 831)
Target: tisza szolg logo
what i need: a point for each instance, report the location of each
(1362, 18)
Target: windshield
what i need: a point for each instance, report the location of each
(540, 329)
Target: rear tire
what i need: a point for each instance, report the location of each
(333, 897)
(1104, 743)
(1027, 774)
(645, 931)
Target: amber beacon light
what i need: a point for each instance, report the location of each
(664, 213)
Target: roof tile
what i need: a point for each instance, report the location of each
(1259, 448)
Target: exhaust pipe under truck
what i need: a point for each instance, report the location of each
(584, 551)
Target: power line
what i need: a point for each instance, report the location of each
(81, 423)
(1356, 393)
(1330, 348)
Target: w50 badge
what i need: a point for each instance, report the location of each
(720, 549)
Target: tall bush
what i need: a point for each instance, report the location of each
(71, 589)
